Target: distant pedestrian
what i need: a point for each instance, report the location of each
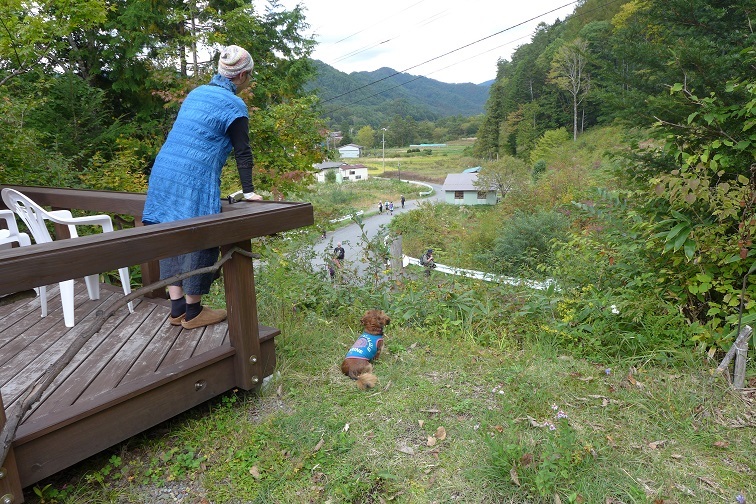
(391, 207)
(338, 255)
(380, 207)
(402, 200)
(427, 261)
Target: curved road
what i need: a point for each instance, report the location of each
(351, 237)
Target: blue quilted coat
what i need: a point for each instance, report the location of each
(185, 179)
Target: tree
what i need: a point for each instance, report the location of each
(34, 34)
(568, 73)
(366, 137)
(505, 174)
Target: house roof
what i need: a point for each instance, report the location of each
(328, 165)
(474, 169)
(353, 166)
(460, 182)
(354, 146)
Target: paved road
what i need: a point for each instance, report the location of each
(351, 237)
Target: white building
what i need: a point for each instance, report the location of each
(343, 171)
(350, 151)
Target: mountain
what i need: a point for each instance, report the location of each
(374, 98)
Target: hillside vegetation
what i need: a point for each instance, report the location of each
(487, 392)
(622, 141)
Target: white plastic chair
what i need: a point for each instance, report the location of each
(11, 235)
(34, 216)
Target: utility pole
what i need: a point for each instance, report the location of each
(383, 141)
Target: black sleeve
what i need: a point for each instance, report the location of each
(239, 134)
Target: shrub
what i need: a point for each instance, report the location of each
(524, 242)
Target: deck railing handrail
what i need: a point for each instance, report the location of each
(45, 264)
(27, 267)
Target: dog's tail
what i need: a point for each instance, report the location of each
(366, 381)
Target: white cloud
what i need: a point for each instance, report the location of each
(446, 40)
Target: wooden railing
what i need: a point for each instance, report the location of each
(46, 264)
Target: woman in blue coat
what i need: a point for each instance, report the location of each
(185, 179)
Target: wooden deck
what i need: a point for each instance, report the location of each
(133, 352)
(138, 370)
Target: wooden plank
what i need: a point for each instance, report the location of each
(184, 346)
(213, 337)
(139, 336)
(69, 370)
(155, 353)
(51, 327)
(19, 314)
(33, 367)
(27, 267)
(48, 445)
(84, 199)
(94, 361)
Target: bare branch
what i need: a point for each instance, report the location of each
(34, 391)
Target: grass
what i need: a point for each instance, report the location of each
(463, 411)
(631, 434)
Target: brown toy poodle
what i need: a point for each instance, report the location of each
(357, 363)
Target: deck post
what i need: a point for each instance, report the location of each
(10, 484)
(243, 329)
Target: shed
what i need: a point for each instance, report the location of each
(350, 151)
(460, 189)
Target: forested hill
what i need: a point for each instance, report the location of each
(352, 98)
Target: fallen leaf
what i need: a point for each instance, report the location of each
(406, 449)
(557, 499)
(535, 423)
(279, 391)
(676, 456)
(708, 482)
(498, 428)
(431, 441)
(685, 490)
(319, 445)
(421, 422)
(441, 433)
(346, 427)
(430, 411)
(255, 472)
(526, 460)
(513, 475)
(657, 444)
(721, 444)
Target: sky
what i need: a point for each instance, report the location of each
(454, 41)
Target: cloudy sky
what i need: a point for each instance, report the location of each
(447, 40)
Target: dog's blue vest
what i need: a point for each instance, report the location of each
(365, 347)
(185, 179)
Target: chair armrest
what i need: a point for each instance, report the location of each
(65, 218)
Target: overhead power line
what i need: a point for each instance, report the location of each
(450, 52)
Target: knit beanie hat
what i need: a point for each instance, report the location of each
(233, 61)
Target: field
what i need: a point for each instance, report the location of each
(487, 393)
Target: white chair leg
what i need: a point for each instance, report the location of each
(93, 286)
(126, 282)
(43, 299)
(67, 300)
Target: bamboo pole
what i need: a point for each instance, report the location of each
(741, 352)
(739, 347)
